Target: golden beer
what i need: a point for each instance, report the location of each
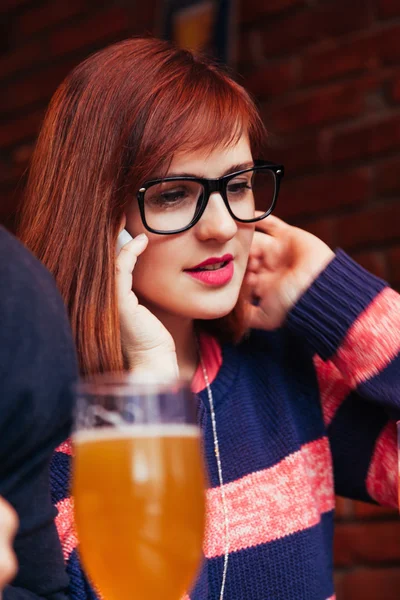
(139, 507)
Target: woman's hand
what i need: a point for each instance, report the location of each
(8, 528)
(146, 343)
(283, 263)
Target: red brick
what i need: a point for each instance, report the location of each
(250, 10)
(46, 16)
(10, 174)
(21, 57)
(378, 224)
(395, 89)
(353, 56)
(339, 17)
(299, 154)
(371, 139)
(271, 79)
(289, 33)
(322, 228)
(108, 25)
(388, 177)
(330, 19)
(25, 127)
(9, 201)
(8, 5)
(364, 510)
(389, 47)
(344, 508)
(320, 107)
(369, 584)
(388, 8)
(248, 49)
(374, 262)
(356, 543)
(394, 264)
(324, 193)
(39, 86)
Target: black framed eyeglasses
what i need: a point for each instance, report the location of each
(174, 204)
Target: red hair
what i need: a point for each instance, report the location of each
(115, 122)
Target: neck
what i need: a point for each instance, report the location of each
(183, 333)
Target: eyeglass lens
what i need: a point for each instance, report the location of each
(171, 205)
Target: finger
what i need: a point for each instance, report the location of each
(256, 319)
(253, 264)
(250, 281)
(126, 261)
(266, 249)
(271, 225)
(8, 529)
(8, 519)
(8, 566)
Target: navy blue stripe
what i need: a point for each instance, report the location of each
(60, 474)
(386, 387)
(79, 588)
(295, 567)
(264, 415)
(352, 434)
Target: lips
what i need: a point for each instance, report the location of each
(215, 271)
(213, 262)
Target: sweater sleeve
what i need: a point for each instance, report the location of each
(351, 319)
(80, 587)
(37, 368)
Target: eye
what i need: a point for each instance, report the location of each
(238, 187)
(173, 195)
(166, 197)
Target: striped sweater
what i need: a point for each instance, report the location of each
(302, 413)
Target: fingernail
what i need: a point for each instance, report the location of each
(141, 237)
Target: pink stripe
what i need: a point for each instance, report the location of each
(65, 447)
(212, 357)
(270, 504)
(332, 598)
(373, 341)
(382, 478)
(333, 389)
(66, 526)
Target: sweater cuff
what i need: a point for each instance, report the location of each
(329, 307)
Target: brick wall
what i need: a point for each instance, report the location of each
(40, 42)
(327, 76)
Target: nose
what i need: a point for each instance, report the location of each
(216, 222)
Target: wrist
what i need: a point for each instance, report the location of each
(154, 365)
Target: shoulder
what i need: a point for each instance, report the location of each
(20, 271)
(37, 356)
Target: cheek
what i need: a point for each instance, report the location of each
(134, 222)
(246, 238)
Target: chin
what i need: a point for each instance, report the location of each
(207, 313)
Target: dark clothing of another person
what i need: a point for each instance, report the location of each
(37, 367)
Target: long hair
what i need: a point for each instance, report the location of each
(114, 122)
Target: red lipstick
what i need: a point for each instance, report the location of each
(220, 275)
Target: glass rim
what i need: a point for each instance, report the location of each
(128, 384)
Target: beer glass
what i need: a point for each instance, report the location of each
(138, 486)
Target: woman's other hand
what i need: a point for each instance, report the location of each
(8, 528)
(147, 345)
(284, 261)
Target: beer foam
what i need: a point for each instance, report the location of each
(161, 430)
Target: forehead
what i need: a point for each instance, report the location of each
(211, 163)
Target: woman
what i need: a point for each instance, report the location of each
(297, 360)
(8, 528)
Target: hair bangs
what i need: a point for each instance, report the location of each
(203, 110)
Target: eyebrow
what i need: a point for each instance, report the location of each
(231, 169)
